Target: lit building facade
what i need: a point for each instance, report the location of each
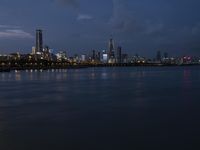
(111, 49)
(39, 41)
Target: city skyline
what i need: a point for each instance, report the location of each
(138, 26)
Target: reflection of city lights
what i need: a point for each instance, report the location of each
(18, 76)
(104, 75)
(92, 75)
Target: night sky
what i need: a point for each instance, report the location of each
(78, 26)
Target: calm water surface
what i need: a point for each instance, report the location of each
(101, 108)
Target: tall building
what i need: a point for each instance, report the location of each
(39, 41)
(111, 49)
(98, 56)
(166, 55)
(124, 58)
(119, 55)
(93, 54)
(33, 50)
(83, 58)
(104, 57)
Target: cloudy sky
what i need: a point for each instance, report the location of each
(78, 26)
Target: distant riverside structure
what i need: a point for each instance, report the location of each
(33, 50)
(42, 56)
(93, 54)
(104, 57)
(39, 41)
(119, 54)
(111, 49)
(166, 55)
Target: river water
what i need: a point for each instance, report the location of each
(100, 108)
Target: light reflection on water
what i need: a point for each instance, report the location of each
(60, 75)
(137, 80)
(84, 105)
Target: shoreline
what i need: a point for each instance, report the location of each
(82, 66)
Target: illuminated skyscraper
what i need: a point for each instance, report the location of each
(39, 41)
(104, 57)
(111, 49)
(33, 50)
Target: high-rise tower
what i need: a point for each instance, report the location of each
(39, 41)
(111, 48)
(119, 54)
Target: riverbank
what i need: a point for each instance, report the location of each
(7, 68)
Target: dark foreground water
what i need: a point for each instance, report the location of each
(101, 109)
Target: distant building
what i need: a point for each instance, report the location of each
(124, 58)
(105, 57)
(119, 55)
(39, 41)
(93, 55)
(76, 58)
(15, 56)
(46, 53)
(4, 58)
(46, 49)
(111, 52)
(83, 58)
(33, 50)
(166, 55)
(61, 56)
(98, 56)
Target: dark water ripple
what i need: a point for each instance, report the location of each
(101, 108)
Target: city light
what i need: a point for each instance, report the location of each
(42, 57)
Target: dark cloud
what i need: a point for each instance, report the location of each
(135, 24)
(173, 33)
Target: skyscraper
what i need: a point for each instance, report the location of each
(93, 54)
(166, 55)
(98, 56)
(111, 49)
(119, 55)
(33, 50)
(39, 41)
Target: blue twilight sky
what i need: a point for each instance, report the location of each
(78, 26)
